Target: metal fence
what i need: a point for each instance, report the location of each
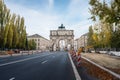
(107, 49)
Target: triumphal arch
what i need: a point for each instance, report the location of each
(61, 39)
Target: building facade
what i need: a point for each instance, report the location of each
(82, 41)
(41, 42)
(76, 44)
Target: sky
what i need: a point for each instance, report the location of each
(41, 16)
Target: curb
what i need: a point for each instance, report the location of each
(77, 76)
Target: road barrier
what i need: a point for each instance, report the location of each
(30, 51)
(76, 58)
(10, 52)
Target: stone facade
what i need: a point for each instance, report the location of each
(61, 35)
(76, 44)
(82, 41)
(41, 42)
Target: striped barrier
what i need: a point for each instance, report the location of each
(74, 57)
(78, 60)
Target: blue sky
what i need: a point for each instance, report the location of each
(41, 16)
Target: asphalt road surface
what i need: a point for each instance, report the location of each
(41, 66)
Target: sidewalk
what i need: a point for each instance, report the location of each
(18, 54)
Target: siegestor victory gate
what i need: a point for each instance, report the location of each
(61, 39)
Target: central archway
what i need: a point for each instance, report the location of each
(68, 47)
(62, 45)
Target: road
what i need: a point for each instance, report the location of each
(42, 66)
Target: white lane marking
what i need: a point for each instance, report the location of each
(77, 76)
(44, 61)
(21, 60)
(12, 78)
(109, 71)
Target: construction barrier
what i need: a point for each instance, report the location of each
(76, 56)
(10, 52)
(78, 60)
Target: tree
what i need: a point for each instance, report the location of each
(6, 35)
(102, 11)
(90, 39)
(15, 33)
(22, 34)
(99, 35)
(96, 40)
(17, 25)
(115, 41)
(109, 15)
(10, 37)
(31, 45)
(107, 35)
(4, 18)
(12, 29)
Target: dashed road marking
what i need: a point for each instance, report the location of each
(13, 78)
(17, 61)
(44, 61)
(22, 60)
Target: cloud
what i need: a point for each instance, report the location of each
(80, 28)
(79, 8)
(41, 22)
(51, 3)
(36, 21)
